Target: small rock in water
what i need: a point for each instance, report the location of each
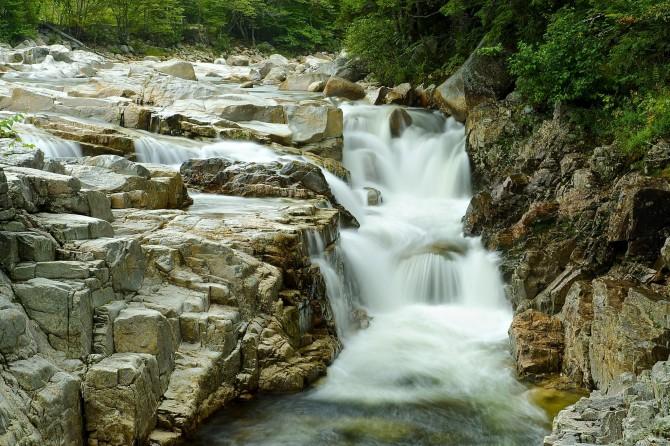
(399, 120)
(374, 197)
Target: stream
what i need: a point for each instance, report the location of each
(433, 367)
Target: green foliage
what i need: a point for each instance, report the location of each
(7, 126)
(292, 25)
(18, 19)
(490, 51)
(373, 40)
(566, 66)
(643, 121)
(7, 131)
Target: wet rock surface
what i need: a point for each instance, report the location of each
(130, 307)
(582, 244)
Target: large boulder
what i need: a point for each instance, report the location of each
(121, 395)
(537, 343)
(301, 82)
(238, 61)
(177, 68)
(402, 94)
(293, 180)
(342, 88)
(481, 78)
(399, 120)
(313, 123)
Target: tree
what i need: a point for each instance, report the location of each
(18, 19)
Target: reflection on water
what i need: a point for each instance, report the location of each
(300, 420)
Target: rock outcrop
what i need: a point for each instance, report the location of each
(161, 317)
(582, 247)
(131, 309)
(633, 411)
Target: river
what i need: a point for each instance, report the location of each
(433, 368)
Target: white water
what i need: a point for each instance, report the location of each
(52, 146)
(439, 315)
(174, 151)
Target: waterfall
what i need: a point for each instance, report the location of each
(174, 151)
(439, 316)
(52, 146)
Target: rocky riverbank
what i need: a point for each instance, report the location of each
(131, 307)
(136, 299)
(584, 242)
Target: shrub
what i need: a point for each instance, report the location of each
(567, 65)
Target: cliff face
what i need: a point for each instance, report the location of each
(131, 325)
(584, 245)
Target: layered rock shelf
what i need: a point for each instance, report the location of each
(131, 306)
(584, 247)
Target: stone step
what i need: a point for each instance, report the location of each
(26, 246)
(202, 382)
(70, 227)
(61, 269)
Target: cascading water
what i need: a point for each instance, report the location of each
(433, 367)
(174, 151)
(52, 146)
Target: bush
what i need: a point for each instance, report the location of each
(18, 19)
(567, 65)
(643, 122)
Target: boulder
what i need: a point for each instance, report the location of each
(399, 120)
(301, 82)
(177, 68)
(24, 100)
(537, 343)
(244, 107)
(278, 59)
(373, 196)
(402, 94)
(275, 75)
(342, 88)
(351, 69)
(450, 96)
(377, 96)
(317, 87)
(313, 123)
(481, 78)
(424, 95)
(121, 394)
(238, 61)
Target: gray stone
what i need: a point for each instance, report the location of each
(142, 330)
(177, 68)
(124, 258)
(121, 395)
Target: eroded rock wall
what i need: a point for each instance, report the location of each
(127, 317)
(581, 236)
